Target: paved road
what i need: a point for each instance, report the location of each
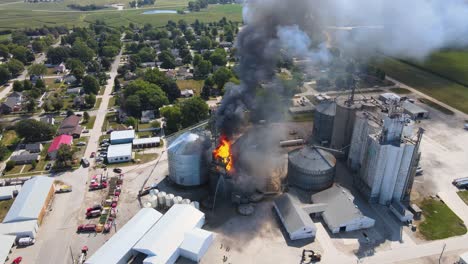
(56, 234)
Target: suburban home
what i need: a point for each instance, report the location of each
(179, 61)
(76, 90)
(225, 44)
(33, 147)
(56, 143)
(79, 101)
(71, 126)
(48, 120)
(69, 79)
(13, 103)
(148, 64)
(147, 116)
(25, 157)
(34, 78)
(61, 68)
(171, 74)
(187, 93)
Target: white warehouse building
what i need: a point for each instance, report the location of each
(119, 153)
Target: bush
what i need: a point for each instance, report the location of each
(10, 165)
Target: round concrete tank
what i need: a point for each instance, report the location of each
(343, 123)
(187, 157)
(311, 169)
(323, 122)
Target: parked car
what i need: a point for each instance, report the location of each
(85, 162)
(17, 260)
(99, 159)
(48, 166)
(93, 154)
(94, 207)
(81, 143)
(93, 213)
(86, 131)
(26, 241)
(419, 171)
(86, 228)
(117, 170)
(108, 225)
(64, 189)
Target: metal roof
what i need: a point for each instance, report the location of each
(25, 156)
(187, 144)
(18, 227)
(115, 249)
(464, 257)
(326, 108)
(311, 158)
(164, 239)
(413, 108)
(341, 207)
(195, 241)
(122, 134)
(293, 216)
(150, 140)
(30, 201)
(6, 191)
(119, 150)
(6, 243)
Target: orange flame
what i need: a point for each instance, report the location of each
(223, 152)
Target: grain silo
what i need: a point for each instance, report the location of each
(311, 169)
(187, 157)
(343, 123)
(323, 122)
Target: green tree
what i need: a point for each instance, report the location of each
(168, 61)
(141, 95)
(91, 85)
(40, 84)
(39, 45)
(219, 57)
(86, 117)
(203, 69)
(64, 156)
(117, 85)
(3, 151)
(173, 117)
(131, 121)
(165, 44)
(18, 86)
(193, 111)
(81, 51)
(22, 54)
(168, 85)
(31, 105)
(58, 54)
(133, 105)
(4, 51)
(156, 124)
(221, 76)
(27, 85)
(10, 165)
(15, 67)
(37, 69)
(33, 164)
(19, 38)
(32, 130)
(197, 59)
(90, 100)
(110, 51)
(5, 74)
(77, 68)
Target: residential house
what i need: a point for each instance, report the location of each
(48, 120)
(33, 147)
(69, 79)
(71, 126)
(171, 74)
(25, 157)
(61, 68)
(130, 76)
(34, 78)
(175, 52)
(13, 103)
(178, 61)
(79, 101)
(225, 44)
(148, 64)
(76, 90)
(56, 143)
(147, 116)
(187, 93)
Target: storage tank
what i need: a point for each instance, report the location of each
(195, 204)
(154, 201)
(324, 117)
(185, 201)
(188, 156)
(162, 199)
(343, 123)
(154, 192)
(177, 200)
(311, 169)
(169, 200)
(147, 205)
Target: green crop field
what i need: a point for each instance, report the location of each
(444, 90)
(29, 18)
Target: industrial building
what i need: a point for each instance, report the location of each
(389, 97)
(32, 201)
(323, 122)
(118, 249)
(343, 123)
(151, 142)
(8, 192)
(6, 243)
(311, 169)
(464, 258)
(188, 155)
(383, 159)
(294, 219)
(122, 137)
(20, 229)
(341, 213)
(119, 153)
(162, 238)
(414, 111)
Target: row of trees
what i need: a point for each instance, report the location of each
(184, 114)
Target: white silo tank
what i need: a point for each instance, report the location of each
(169, 200)
(147, 205)
(154, 201)
(162, 199)
(186, 201)
(154, 192)
(177, 200)
(195, 204)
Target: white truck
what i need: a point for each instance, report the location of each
(26, 241)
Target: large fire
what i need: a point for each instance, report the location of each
(223, 152)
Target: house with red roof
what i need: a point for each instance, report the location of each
(56, 143)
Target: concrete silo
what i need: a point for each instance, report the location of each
(311, 168)
(188, 156)
(323, 122)
(343, 123)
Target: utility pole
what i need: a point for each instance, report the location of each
(441, 253)
(71, 252)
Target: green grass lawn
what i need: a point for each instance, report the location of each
(97, 104)
(5, 207)
(439, 221)
(400, 90)
(111, 102)
(9, 138)
(90, 123)
(144, 158)
(441, 89)
(51, 84)
(15, 170)
(194, 85)
(464, 196)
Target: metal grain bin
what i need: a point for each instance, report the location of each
(323, 122)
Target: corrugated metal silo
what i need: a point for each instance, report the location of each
(311, 168)
(187, 157)
(343, 124)
(323, 121)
